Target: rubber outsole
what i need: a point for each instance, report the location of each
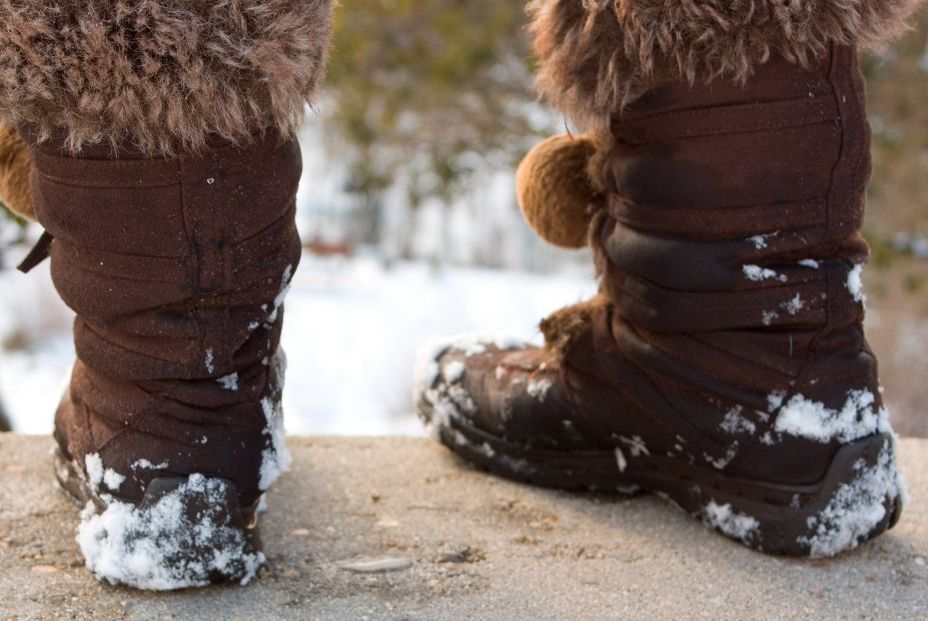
(788, 520)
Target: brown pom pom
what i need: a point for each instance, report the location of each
(556, 193)
(15, 166)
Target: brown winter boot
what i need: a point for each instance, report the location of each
(724, 365)
(165, 172)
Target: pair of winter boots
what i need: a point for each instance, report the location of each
(721, 185)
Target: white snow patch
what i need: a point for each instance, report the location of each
(453, 372)
(427, 370)
(113, 480)
(855, 284)
(759, 241)
(538, 388)
(857, 507)
(443, 408)
(775, 400)
(735, 422)
(144, 464)
(620, 459)
(97, 475)
(857, 418)
(229, 382)
(93, 465)
(757, 273)
(276, 459)
(794, 306)
(284, 287)
(768, 317)
(735, 525)
(209, 361)
(720, 462)
(636, 446)
(810, 263)
(281, 297)
(150, 548)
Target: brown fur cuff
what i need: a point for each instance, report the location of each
(568, 324)
(599, 55)
(160, 74)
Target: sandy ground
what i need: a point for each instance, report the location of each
(464, 546)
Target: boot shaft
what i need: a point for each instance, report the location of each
(165, 169)
(176, 269)
(167, 257)
(731, 256)
(789, 149)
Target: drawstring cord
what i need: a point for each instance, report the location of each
(38, 253)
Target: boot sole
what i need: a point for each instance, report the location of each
(788, 520)
(225, 516)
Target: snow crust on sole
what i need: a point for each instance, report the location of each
(182, 539)
(858, 507)
(862, 496)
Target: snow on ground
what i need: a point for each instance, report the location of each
(36, 351)
(352, 331)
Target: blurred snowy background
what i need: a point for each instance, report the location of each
(412, 231)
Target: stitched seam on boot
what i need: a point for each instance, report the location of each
(193, 266)
(110, 275)
(113, 343)
(108, 185)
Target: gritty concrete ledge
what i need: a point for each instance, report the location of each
(460, 545)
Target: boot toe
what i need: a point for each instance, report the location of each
(507, 390)
(460, 380)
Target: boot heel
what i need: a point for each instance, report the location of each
(186, 532)
(860, 498)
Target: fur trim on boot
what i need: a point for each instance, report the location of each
(599, 55)
(161, 75)
(15, 166)
(564, 326)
